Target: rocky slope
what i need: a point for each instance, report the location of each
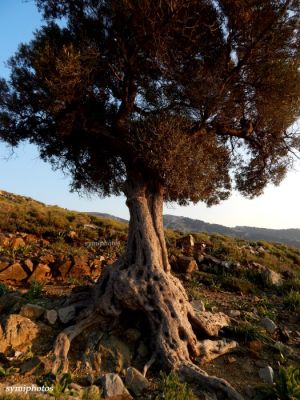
(49, 260)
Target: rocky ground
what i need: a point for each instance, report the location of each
(250, 291)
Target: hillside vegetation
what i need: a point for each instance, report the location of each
(53, 253)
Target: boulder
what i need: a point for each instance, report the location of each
(32, 311)
(67, 314)
(41, 273)
(212, 323)
(185, 242)
(113, 385)
(18, 332)
(135, 381)
(14, 272)
(185, 265)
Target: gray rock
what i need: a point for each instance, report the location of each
(234, 313)
(51, 316)
(113, 385)
(268, 324)
(66, 314)
(198, 305)
(266, 374)
(272, 277)
(135, 381)
(32, 311)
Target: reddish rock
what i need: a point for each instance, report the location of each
(14, 272)
(29, 264)
(80, 267)
(17, 243)
(29, 239)
(41, 273)
(64, 268)
(3, 265)
(185, 265)
(18, 332)
(47, 259)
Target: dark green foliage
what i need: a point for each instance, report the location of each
(35, 290)
(192, 94)
(3, 289)
(245, 332)
(292, 301)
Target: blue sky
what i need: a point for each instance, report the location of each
(24, 173)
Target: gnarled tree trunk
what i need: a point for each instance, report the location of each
(141, 281)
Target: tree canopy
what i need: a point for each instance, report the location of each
(198, 95)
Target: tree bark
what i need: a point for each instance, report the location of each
(141, 280)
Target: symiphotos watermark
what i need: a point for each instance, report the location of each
(28, 389)
(103, 243)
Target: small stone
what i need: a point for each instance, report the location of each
(113, 385)
(51, 316)
(267, 375)
(29, 264)
(32, 311)
(268, 324)
(66, 314)
(135, 381)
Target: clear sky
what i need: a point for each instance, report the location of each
(23, 173)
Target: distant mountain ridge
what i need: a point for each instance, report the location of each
(290, 237)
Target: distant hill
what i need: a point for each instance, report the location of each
(290, 237)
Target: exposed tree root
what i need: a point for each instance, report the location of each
(191, 372)
(163, 300)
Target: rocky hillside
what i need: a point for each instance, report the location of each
(51, 257)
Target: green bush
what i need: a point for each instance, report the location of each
(35, 290)
(286, 385)
(172, 389)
